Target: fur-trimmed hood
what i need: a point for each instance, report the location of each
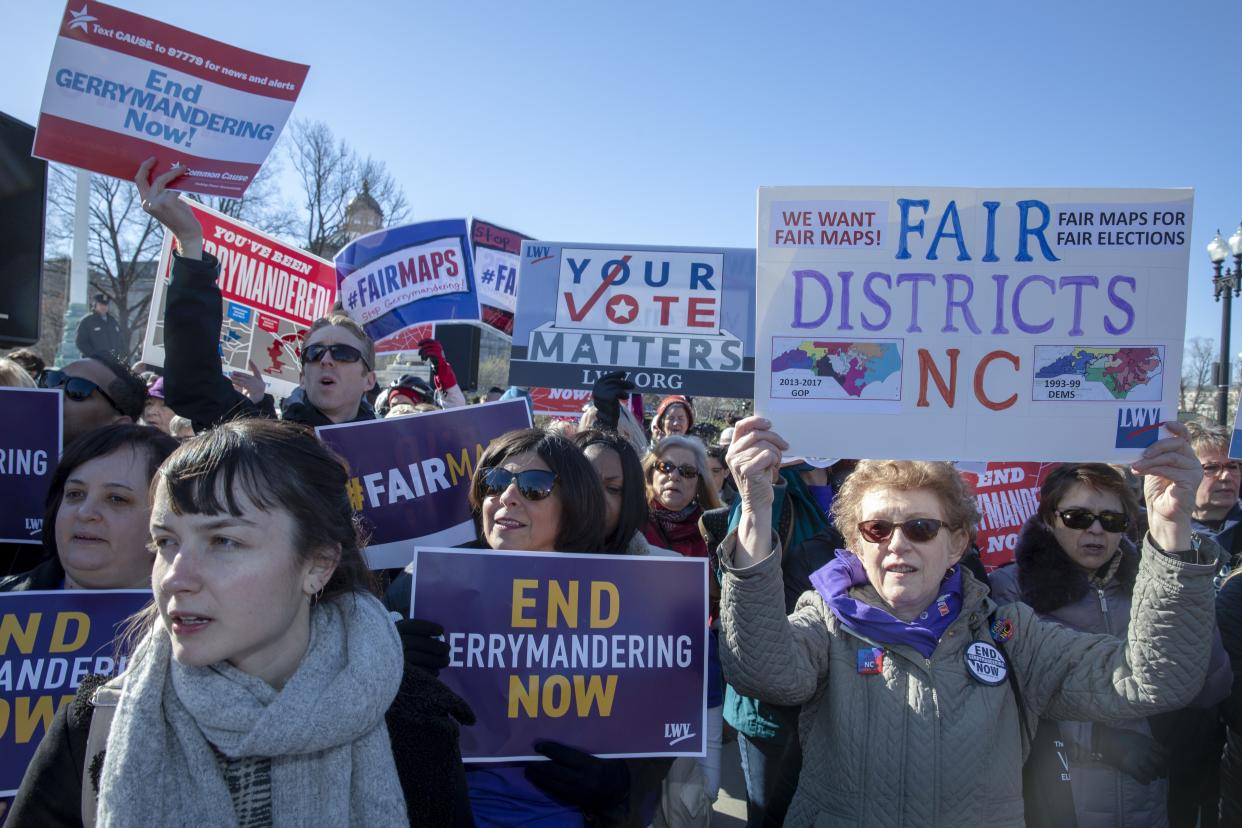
(1048, 579)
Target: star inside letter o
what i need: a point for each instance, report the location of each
(621, 309)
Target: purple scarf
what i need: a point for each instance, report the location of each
(834, 581)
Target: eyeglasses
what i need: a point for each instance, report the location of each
(76, 388)
(686, 470)
(534, 484)
(340, 353)
(1114, 522)
(919, 530)
(1213, 469)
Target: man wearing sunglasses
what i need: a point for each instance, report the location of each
(338, 359)
(98, 391)
(1217, 510)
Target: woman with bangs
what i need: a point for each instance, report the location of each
(918, 691)
(258, 690)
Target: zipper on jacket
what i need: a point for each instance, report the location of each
(1104, 610)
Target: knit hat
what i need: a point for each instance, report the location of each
(156, 389)
(668, 402)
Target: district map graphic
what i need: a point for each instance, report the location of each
(862, 370)
(1074, 372)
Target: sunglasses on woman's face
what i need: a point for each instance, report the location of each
(533, 484)
(1114, 522)
(919, 530)
(686, 470)
(340, 353)
(76, 388)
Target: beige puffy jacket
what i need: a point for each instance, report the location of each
(925, 744)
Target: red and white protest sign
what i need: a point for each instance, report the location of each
(559, 402)
(271, 291)
(123, 87)
(1007, 494)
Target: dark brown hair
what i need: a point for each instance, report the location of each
(1098, 476)
(275, 465)
(634, 511)
(150, 442)
(577, 485)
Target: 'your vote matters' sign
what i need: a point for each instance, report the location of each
(605, 653)
(676, 319)
(971, 324)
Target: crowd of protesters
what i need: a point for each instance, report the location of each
(871, 671)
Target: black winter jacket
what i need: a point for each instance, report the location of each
(47, 575)
(101, 335)
(422, 726)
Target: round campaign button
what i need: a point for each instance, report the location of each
(986, 664)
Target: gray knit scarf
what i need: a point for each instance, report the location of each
(331, 761)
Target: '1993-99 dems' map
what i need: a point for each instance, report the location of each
(1110, 373)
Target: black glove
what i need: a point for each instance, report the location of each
(606, 394)
(422, 648)
(1131, 753)
(580, 779)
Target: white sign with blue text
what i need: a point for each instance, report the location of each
(970, 324)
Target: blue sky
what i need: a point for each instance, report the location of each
(654, 123)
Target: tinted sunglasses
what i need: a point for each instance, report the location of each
(76, 388)
(1082, 519)
(339, 352)
(919, 530)
(534, 484)
(686, 470)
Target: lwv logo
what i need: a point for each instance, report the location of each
(1137, 427)
(677, 732)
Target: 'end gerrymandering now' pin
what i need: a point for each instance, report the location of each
(986, 664)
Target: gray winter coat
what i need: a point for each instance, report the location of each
(925, 744)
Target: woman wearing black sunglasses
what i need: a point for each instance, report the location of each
(1076, 564)
(918, 693)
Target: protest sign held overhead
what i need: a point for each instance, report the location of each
(410, 476)
(602, 652)
(676, 319)
(394, 281)
(29, 452)
(977, 315)
(272, 292)
(49, 642)
(123, 87)
(559, 402)
(497, 252)
(1007, 495)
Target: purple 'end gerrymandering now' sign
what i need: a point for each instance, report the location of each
(604, 653)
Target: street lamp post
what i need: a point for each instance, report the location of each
(1228, 285)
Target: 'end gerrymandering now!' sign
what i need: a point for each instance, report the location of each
(675, 319)
(976, 324)
(393, 282)
(123, 87)
(1007, 496)
(272, 292)
(49, 642)
(410, 476)
(29, 450)
(605, 653)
